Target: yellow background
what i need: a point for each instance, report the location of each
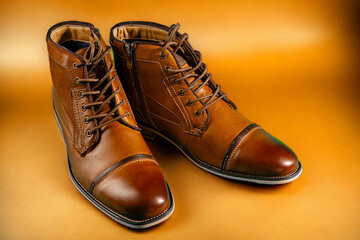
(291, 66)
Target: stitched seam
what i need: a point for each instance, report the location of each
(149, 61)
(177, 124)
(213, 167)
(122, 166)
(190, 120)
(164, 107)
(139, 81)
(77, 116)
(60, 119)
(60, 101)
(249, 175)
(71, 78)
(157, 40)
(238, 146)
(137, 99)
(110, 210)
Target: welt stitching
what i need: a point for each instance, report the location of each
(122, 166)
(239, 144)
(275, 177)
(149, 61)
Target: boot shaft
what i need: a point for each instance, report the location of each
(77, 53)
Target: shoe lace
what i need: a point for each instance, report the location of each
(94, 55)
(199, 72)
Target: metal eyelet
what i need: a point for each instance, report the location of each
(175, 81)
(167, 68)
(198, 114)
(189, 103)
(89, 133)
(182, 92)
(83, 107)
(127, 114)
(163, 56)
(77, 80)
(75, 66)
(86, 120)
(81, 94)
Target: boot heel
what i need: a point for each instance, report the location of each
(148, 134)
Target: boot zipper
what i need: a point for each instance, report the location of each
(128, 49)
(130, 63)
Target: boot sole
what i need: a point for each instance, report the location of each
(150, 134)
(133, 224)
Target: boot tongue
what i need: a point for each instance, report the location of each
(81, 51)
(180, 60)
(182, 63)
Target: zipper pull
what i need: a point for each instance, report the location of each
(129, 55)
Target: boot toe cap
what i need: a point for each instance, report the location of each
(260, 154)
(135, 190)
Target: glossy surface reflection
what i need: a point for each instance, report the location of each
(291, 66)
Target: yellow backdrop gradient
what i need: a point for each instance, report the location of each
(290, 66)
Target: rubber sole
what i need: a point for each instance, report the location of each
(130, 223)
(150, 133)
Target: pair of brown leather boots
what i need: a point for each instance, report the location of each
(169, 93)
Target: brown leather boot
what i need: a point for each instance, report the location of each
(174, 96)
(109, 161)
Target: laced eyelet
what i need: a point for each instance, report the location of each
(75, 66)
(182, 92)
(127, 114)
(163, 55)
(189, 103)
(81, 94)
(175, 81)
(198, 113)
(167, 68)
(77, 80)
(86, 120)
(89, 133)
(83, 107)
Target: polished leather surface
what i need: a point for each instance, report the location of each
(208, 137)
(289, 65)
(136, 190)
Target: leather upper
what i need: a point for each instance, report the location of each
(159, 104)
(136, 189)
